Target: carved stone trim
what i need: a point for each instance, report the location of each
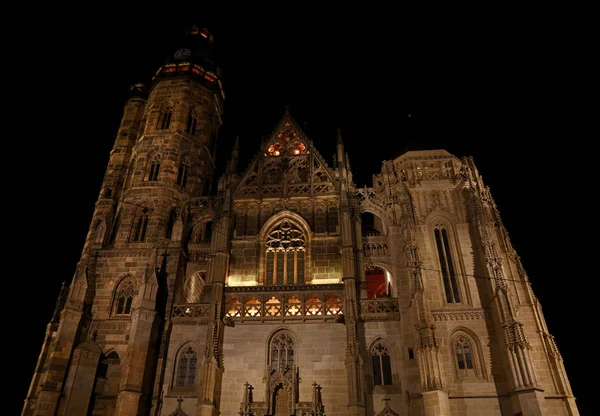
(462, 315)
(285, 288)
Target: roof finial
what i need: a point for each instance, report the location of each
(339, 138)
(287, 109)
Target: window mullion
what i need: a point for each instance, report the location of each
(445, 260)
(295, 267)
(285, 265)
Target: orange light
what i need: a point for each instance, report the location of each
(209, 78)
(276, 152)
(296, 152)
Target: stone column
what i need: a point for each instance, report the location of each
(354, 358)
(211, 374)
(134, 364)
(80, 381)
(211, 371)
(51, 383)
(526, 395)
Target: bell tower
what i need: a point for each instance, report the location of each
(109, 328)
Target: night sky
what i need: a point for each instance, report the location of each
(492, 100)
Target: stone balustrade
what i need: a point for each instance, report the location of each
(379, 309)
(284, 303)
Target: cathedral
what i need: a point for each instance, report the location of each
(284, 289)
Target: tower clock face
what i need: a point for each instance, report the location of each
(182, 53)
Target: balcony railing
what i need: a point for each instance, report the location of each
(289, 303)
(380, 309)
(192, 310)
(284, 303)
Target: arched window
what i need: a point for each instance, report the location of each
(164, 121)
(281, 353)
(382, 365)
(124, 297)
(463, 348)
(171, 224)
(182, 174)
(446, 263)
(192, 123)
(154, 168)
(193, 287)
(186, 368)
(285, 255)
(377, 283)
(141, 225)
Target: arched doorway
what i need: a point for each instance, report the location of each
(378, 284)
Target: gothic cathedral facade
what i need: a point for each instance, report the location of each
(287, 290)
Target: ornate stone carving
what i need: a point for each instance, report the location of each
(465, 315)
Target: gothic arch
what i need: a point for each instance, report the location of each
(479, 369)
(275, 332)
(193, 287)
(379, 346)
(281, 370)
(123, 296)
(165, 115)
(197, 229)
(440, 220)
(294, 220)
(369, 208)
(186, 363)
(140, 220)
(387, 268)
(438, 215)
(153, 165)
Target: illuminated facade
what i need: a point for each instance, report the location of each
(288, 290)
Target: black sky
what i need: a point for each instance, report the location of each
(499, 99)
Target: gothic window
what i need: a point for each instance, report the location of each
(124, 297)
(154, 168)
(193, 287)
(141, 226)
(464, 359)
(182, 174)
(192, 123)
(285, 255)
(446, 263)
(186, 368)
(382, 365)
(281, 353)
(171, 224)
(164, 120)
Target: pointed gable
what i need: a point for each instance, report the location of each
(287, 140)
(287, 165)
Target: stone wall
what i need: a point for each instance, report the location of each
(182, 334)
(320, 352)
